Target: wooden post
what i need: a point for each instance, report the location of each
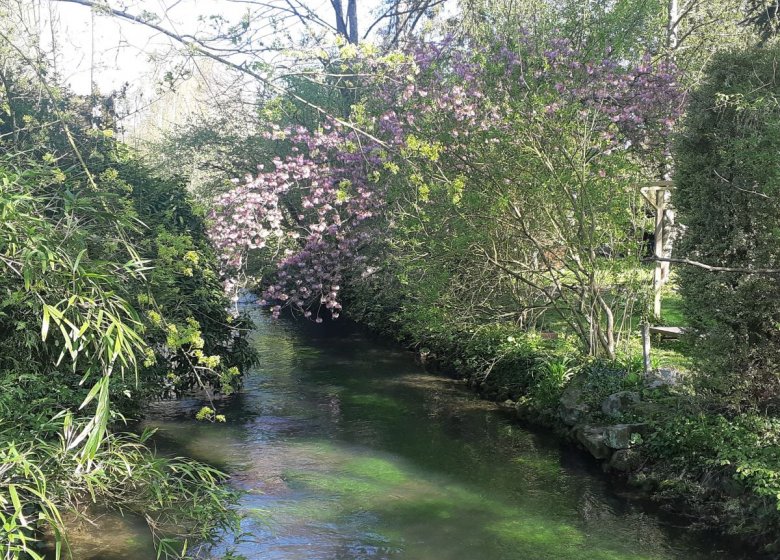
(656, 194)
(646, 346)
(658, 274)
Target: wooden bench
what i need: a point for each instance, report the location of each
(668, 332)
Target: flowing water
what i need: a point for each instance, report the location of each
(349, 450)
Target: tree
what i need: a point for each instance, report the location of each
(519, 133)
(523, 135)
(764, 16)
(110, 297)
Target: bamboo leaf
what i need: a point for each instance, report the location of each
(45, 323)
(17, 504)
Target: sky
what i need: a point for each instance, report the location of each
(113, 52)
(122, 51)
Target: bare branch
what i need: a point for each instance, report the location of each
(196, 46)
(713, 268)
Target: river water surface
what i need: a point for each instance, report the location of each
(346, 449)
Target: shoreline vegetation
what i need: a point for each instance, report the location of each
(110, 297)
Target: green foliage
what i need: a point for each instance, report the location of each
(180, 498)
(504, 360)
(109, 296)
(627, 27)
(727, 194)
(740, 453)
(764, 16)
(600, 379)
(209, 152)
(551, 376)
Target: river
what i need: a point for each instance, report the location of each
(347, 449)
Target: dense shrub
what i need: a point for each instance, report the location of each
(731, 464)
(109, 296)
(728, 196)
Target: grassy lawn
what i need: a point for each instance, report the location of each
(671, 308)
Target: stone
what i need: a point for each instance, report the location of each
(573, 408)
(594, 441)
(647, 409)
(620, 402)
(662, 377)
(626, 460)
(619, 435)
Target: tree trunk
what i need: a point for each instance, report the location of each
(352, 20)
(341, 24)
(671, 26)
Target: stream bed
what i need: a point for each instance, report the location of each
(347, 449)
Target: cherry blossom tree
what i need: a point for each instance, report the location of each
(570, 132)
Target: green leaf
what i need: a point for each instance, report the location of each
(45, 323)
(17, 504)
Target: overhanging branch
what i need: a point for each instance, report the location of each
(196, 46)
(713, 268)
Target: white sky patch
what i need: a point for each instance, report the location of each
(113, 52)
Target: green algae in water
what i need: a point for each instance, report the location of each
(539, 467)
(376, 403)
(388, 462)
(380, 470)
(346, 486)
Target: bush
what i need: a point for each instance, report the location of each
(735, 456)
(728, 196)
(110, 296)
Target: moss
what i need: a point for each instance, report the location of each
(537, 466)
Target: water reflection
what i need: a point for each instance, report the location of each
(347, 450)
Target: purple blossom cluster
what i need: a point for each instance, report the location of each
(313, 211)
(311, 208)
(468, 89)
(643, 100)
(450, 96)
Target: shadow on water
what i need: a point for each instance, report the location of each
(348, 450)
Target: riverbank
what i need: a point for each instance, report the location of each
(720, 472)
